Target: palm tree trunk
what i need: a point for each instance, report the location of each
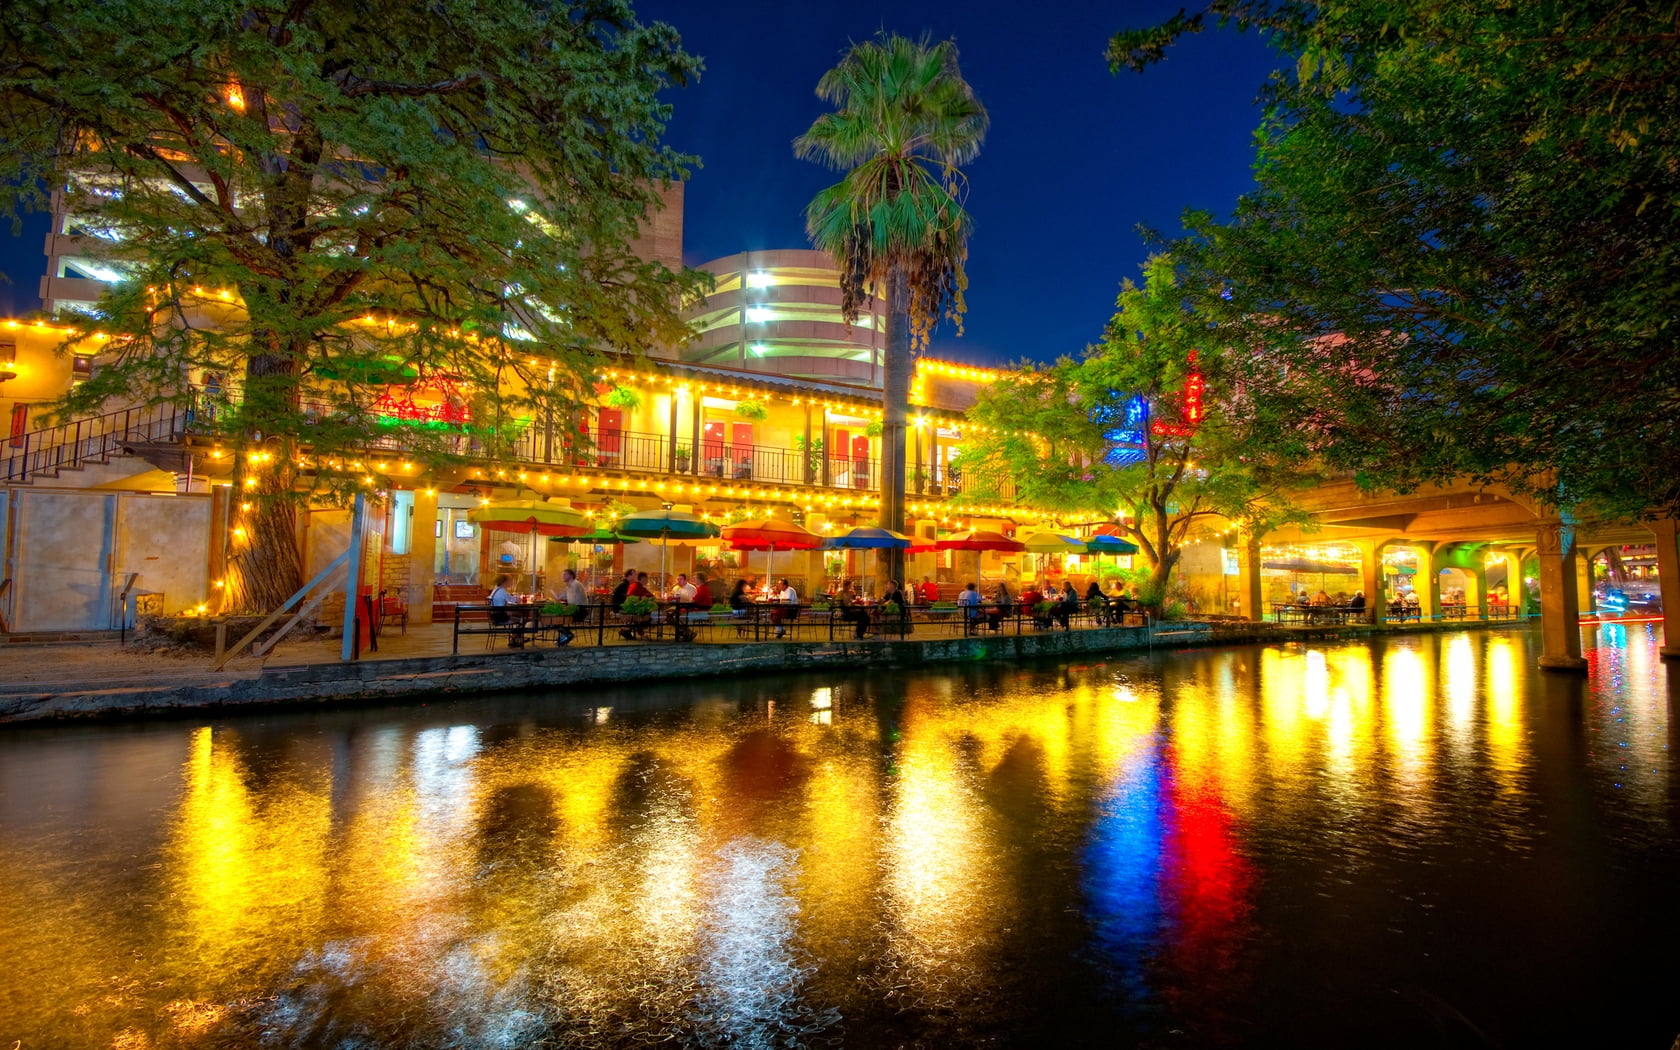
(896, 395)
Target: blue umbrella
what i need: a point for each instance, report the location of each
(1105, 544)
(868, 537)
(1109, 545)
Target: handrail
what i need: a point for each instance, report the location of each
(73, 443)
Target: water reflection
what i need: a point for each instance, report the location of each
(1247, 844)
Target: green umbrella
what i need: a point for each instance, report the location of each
(665, 527)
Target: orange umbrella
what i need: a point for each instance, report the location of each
(979, 540)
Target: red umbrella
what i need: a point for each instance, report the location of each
(768, 534)
(979, 540)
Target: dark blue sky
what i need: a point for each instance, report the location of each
(1075, 159)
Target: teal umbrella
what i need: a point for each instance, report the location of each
(1105, 544)
(665, 527)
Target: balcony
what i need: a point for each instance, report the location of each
(629, 452)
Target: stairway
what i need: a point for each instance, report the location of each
(151, 433)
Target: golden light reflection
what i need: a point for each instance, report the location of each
(248, 867)
(720, 870)
(1408, 698)
(1506, 747)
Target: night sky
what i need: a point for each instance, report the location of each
(1075, 159)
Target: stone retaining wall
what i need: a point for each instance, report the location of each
(386, 680)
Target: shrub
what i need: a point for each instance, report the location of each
(636, 605)
(558, 609)
(721, 607)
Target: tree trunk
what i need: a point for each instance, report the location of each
(264, 564)
(896, 397)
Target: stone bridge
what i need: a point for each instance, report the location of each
(1465, 526)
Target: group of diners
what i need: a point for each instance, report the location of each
(780, 602)
(1048, 607)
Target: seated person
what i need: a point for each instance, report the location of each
(969, 603)
(786, 605)
(1095, 602)
(1003, 606)
(850, 610)
(739, 598)
(500, 599)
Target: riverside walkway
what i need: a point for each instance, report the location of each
(98, 678)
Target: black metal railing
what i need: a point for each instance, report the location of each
(94, 439)
(74, 443)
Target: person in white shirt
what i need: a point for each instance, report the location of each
(683, 591)
(783, 594)
(571, 593)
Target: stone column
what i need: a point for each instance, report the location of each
(1668, 580)
(1584, 599)
(1427, 582)
(423, 543)
(1560, 627)
(1250, 589)
(1371, 579)
(1479, 574)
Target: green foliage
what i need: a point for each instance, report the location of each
(558, 609)
(751, 410)
(1461, 252)
(944, 606)
(721, 608)
(890, 609)
(636, 605)
(623, 397)
(905, 119)
(1046, 429)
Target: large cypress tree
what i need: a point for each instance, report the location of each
(268, 177)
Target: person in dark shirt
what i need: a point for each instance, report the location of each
(622, 589)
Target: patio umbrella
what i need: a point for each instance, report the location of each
(869, 537)
(1104, 543)
(1109, 545)
(665, 527)
(1045, 543)
(600, 537)
(1053, 543)
(768, 534)
(978, 540)
(529, 517)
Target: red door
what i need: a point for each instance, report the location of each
(860, 461)
(711, 449)
(839, 462)
(609, 442)
(741, 449)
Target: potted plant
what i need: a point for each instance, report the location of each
(873, 429)
(753, 410)
(636, 606)
(624, 398)
(684, 456)
(560, 609)
(813, 453)
(720, 609)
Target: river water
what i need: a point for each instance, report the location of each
(1421, 842)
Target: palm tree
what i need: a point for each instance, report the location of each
(904, 120)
